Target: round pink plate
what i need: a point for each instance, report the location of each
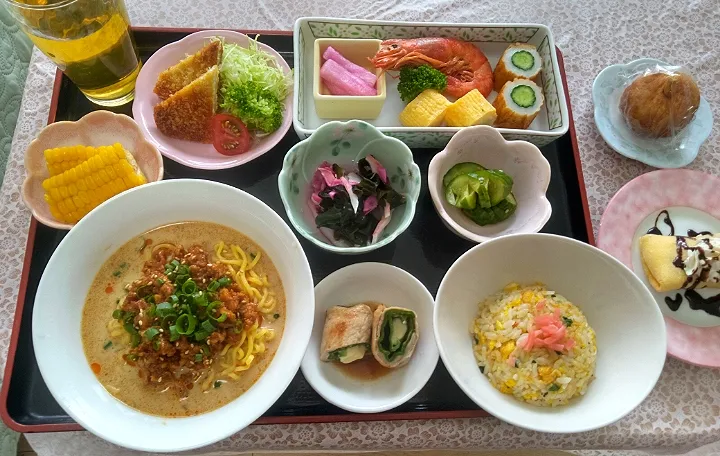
(193, 154)
(638, 199)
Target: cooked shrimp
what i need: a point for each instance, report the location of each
(465, 65)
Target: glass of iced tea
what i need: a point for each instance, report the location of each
(89, 40)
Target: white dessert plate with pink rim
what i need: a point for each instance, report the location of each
(189, 153)
(675, 202)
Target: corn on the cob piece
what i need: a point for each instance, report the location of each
(471, 109)
(426, 110)
(61, 159)
(77, 191)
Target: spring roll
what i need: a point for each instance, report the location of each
(346, 335)
(697, 266)
(394, 335)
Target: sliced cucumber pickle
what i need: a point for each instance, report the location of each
(483, 191)
(498, 188)
(463, 191)
(460, 168)
(523, 60)
(523, 96)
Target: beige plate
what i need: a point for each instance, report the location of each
(99, 128)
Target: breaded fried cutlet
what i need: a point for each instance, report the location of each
(188, 113)
(188, 69)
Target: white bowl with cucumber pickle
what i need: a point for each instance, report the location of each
(483, 186)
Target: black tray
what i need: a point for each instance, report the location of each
(426, 250)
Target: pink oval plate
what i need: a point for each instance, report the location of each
(194, 154)
(690, 195)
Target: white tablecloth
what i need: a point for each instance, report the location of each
(680, 415)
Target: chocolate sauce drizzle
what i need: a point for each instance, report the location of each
(710, 305)
(666, 220)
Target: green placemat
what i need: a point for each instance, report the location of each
(15, 50)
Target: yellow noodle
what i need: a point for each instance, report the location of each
(254, 261)
(164, 245)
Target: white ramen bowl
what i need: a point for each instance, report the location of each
(69, 273)
(628, 324)
(393, 287)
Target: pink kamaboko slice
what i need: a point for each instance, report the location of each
(366, 76)
(345, 81)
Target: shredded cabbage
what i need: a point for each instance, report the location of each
(252, 64)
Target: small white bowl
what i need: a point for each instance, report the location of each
(629, 327)
(388, 285)
(521, 160)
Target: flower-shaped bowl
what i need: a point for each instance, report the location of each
(521, 160)
(345, 143)
(99, 128)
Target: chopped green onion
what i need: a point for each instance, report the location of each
(181, 279)
(172, 299)
(107, 345)
(221, 318)
(130, 328)
(135, 340)
(224, 281)
(160, 281)
(150, 299)
(198, 358)
(163, 309)
(217, 384)
(168, 320)
(554, 387)
(151, 333)
(207, 326)
(201, 335)
(174, 334)
(213, 286)
(156, 344)
(117, 273)
(152, 310)
(205, 349)
(132, 357)
(118, 314)
(567, 321)
(189, 287)
(186, 324)
(200, 298)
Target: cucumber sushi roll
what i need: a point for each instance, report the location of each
(519, 61)
(517, 104)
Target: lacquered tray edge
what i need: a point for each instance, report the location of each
(387, 416)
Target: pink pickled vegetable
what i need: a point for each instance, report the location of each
(385, 221)
(377, 168)
(361, 73)
(370, 204)
(331, 181)
(332, 88)
(345, 81)
(548, 331)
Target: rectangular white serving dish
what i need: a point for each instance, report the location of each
(492, 39)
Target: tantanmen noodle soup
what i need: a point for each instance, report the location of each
(183, 319)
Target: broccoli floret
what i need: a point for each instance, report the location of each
(413, 80)
(258, 108)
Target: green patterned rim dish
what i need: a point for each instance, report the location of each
(345, 143)
(492, 39)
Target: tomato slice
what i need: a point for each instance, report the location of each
(230, 135)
